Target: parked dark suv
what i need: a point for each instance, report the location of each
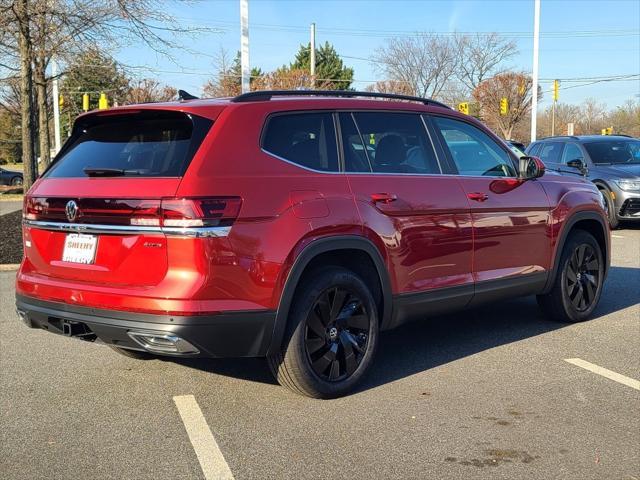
(296, 226)
(611, 162)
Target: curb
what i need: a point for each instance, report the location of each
(9, 267)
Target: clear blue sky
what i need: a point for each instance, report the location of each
(609, 44)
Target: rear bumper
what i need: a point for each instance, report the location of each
(233, 334)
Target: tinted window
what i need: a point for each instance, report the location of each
(148, 144)
(550, 152)
(473, 151)
(614, 151)
(307, 139)
(571, 152)
(391, 143)
(533, 150)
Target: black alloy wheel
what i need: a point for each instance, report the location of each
(582, 277)
(336, 334)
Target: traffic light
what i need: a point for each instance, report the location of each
(522, 88)
(607, 131)
(103, 103)
(463, 107)
(61, 101)
(85, 102)
(504, 106)
(556, 88)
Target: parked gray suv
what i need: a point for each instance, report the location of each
(611, 162)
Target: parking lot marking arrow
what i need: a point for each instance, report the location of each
(212, 462)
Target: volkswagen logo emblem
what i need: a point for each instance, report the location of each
(71, 209)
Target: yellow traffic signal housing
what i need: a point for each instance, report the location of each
(85, 102)
(607, 131)
(463, 107)
(103, 103)
(504, 106)
(556, 88)
(61, 101)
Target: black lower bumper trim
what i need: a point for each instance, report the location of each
(233, 334)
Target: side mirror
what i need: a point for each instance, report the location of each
(530, 168)
(578, 164)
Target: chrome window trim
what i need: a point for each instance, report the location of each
(197, 232)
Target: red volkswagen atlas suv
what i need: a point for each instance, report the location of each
(296, 226)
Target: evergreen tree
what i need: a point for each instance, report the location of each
(331, 72)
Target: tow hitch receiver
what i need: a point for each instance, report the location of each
(76, 329)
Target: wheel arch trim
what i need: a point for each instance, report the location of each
(564, 234)
(311, 251)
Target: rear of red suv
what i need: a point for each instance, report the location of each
(114, 250)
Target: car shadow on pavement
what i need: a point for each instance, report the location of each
(425, 344)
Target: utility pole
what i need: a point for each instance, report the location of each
(312, 60)
(56, 105)
(534, 87)
(556, 87)
(244, 46)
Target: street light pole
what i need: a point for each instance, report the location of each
(312, 52)
(56, 105)
(244, 46)
(534, 87)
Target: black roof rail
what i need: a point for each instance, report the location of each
(265, 95)
(575, 137)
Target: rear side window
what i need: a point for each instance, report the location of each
(143, 144)
(389, 143)
(306, 139)
(473, 151)
(550, 152)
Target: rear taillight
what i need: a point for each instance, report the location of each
(200, 212)
(170, 213)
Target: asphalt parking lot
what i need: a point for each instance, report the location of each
(486, 393)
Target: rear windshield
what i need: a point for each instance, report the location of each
(143, 144)
(614, 151)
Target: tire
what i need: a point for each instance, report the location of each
(138, 355)
(610, 208)
(331, 335)
(569, 300)
(16, 181)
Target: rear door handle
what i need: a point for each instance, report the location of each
(478, 196)
(383, 197)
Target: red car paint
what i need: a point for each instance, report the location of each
(432, 231)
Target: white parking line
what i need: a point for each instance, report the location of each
(616, 377)
(213, 464)
(616, 236)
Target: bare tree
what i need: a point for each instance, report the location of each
(21, 12)
(516, 88)
(481, 56)
(148, 90)
(44, 28)
(565, 114)
(426, 62)
(592, 116)
(390, 86)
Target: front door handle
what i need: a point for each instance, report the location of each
(478, 196)
(383, 197)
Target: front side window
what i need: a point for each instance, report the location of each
(571, 152)
(550, 152)
(306, 139)
(473, 151)
(387, 142)
(614, 151)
